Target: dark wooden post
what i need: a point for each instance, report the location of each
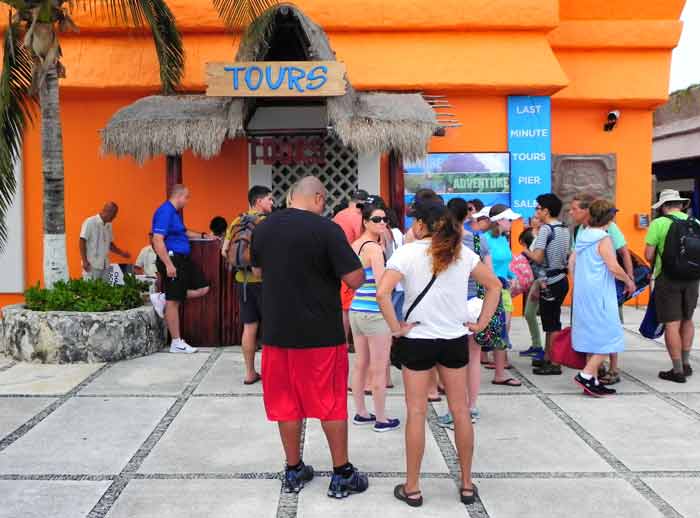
(173, 173)
(396, 187)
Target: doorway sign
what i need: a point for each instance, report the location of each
(530, 146)
(276, 79)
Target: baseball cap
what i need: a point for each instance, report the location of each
(506, 214)
(359, 195)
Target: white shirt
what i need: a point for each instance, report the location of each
(98, 236)
(147, 261)
(443, 311)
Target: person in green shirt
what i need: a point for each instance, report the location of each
(675, 300)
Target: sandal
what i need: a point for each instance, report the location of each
(610, 378)
(254, 380)
(510, 382)
(434, 399)
(492, 366)
(469, 498)
(400, 494)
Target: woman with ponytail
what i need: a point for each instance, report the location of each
(435, 270)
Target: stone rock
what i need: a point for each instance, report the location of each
(67, 336)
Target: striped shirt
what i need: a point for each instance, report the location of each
(556, 249)
(365, 299)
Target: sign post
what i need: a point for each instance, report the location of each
(276, 79)
(530, 146)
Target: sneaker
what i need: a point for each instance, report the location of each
(342, 487)
(671, 375)
(538, 358)
(475, 414)
(294, 479)
(532, 351)
(446, 421)
(591, 388)
(547, 369)
(359, 420)
(389, 425)
(180, 346)
(158, 301)
(687, 371)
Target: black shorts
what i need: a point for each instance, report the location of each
(422, 354)
(251, 304)
(675, 300)
(550, 310)
(189, 277)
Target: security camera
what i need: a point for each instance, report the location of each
(613, 117)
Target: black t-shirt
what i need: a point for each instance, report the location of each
(303, 256)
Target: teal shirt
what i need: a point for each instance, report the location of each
(501, 255)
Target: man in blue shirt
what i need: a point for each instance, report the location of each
(180, 278)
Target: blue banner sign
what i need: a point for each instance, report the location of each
(530, 146)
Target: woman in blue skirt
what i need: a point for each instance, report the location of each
(596, 328)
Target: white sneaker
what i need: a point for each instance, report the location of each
(180, 346)
(158, 301)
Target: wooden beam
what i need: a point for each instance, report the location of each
(396, 187)
(173, 173)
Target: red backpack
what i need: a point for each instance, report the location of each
(524, 277)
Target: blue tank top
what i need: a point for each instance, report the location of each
(365, 299)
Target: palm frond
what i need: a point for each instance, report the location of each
(154, 15)
(16, 105)
(238, 14)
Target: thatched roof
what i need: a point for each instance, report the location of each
(170, 125)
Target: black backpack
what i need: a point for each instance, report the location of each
(681, 257)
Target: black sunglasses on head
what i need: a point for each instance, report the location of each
(379, 219)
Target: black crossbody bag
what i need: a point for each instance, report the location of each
(394, 356)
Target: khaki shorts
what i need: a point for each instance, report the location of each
(675, 300)
(368, 324)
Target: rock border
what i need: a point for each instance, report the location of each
(72, 336)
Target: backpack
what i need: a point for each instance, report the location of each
(241, 232)
(524, 277)
(681, 257)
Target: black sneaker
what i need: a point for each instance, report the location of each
(590, 388)
(294, 479)
(687, 371)
(547, 369)
(672, 375)
(342, 487)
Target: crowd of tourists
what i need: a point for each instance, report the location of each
(435, 303)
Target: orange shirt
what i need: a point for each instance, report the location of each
(350, 220)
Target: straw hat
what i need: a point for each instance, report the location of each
(667, 196)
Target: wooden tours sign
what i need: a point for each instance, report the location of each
(276, 79)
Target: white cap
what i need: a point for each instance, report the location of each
(483, 213)
(506, 214)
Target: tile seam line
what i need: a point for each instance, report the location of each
(685, 409)
(35, 420)
(651, 496)
(288, 503)
(112, 493)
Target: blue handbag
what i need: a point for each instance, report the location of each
(650, 326)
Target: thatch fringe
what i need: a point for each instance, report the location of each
(367, 122)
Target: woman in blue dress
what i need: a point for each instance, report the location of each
(596, 328)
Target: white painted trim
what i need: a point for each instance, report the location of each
(259, 174)
(369, 172)
(12, 258)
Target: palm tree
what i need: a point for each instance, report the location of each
(31, 69)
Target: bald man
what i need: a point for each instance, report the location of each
(96, 243)
(303, 257)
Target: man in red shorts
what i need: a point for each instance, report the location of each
(303, 257)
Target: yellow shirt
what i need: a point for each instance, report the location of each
(241, 276)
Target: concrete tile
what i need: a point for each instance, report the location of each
(41, 379)
(226, 376)
(646, 367)
(5, 361)
(371, 451)
(682, 493)
(155, 374)
(689, 400)
(644, 432)
(519, 433)
(552, 498)
(14, 412)
(218, 435)
(187, 498)
(86, 435)
(55, 498)
(439, 496)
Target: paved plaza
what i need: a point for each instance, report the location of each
(180, 436)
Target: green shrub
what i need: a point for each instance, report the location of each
(86, 296)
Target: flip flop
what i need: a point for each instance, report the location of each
(492, 366)
(434, 399)
(400, 494)
(255, 380)
(510, 382)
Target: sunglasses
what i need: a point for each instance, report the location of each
(379, 219)
(470, 209)
(538, 208)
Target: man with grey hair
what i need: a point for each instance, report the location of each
(96, 243)
(303, 257)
